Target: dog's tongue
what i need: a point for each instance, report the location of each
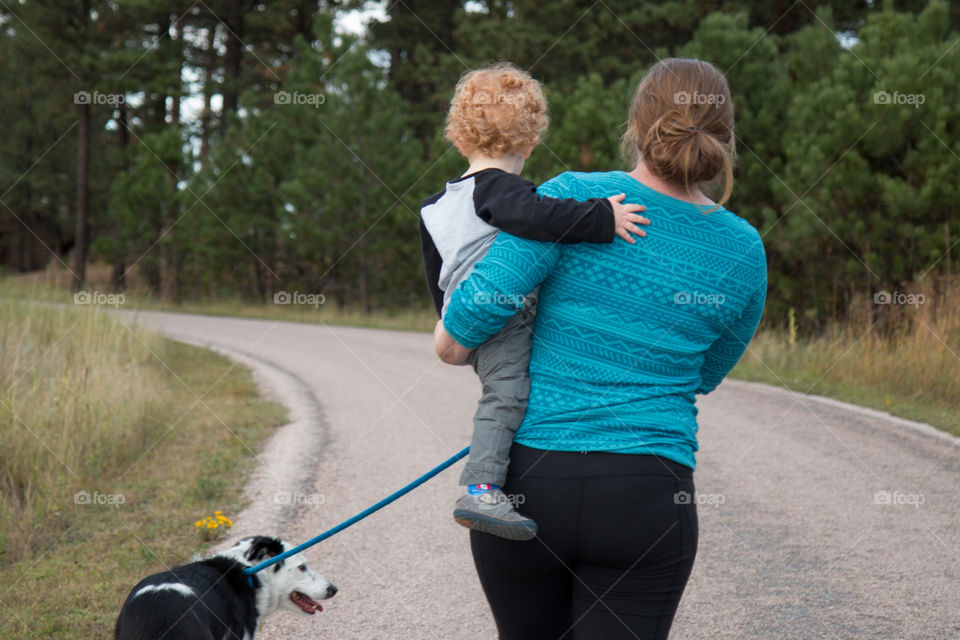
(307, 604)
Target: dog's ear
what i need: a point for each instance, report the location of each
(262, 547)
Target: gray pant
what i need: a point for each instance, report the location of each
(503, 363)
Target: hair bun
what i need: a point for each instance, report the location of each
(682, 152)
(681, 124)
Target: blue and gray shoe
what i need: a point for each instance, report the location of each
(493, 512)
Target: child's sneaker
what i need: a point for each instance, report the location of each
(492, 512)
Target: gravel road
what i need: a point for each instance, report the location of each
(817, 519)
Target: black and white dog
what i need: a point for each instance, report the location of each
(213, 599)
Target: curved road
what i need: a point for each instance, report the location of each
(817, 519)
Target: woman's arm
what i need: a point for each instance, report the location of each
(448, 349)
(726, 351)
(496, 288)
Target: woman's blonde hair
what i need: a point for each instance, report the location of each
(681, 124)
(497, 110)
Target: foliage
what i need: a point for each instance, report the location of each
(296, 161)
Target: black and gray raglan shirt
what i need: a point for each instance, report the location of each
(458, 225)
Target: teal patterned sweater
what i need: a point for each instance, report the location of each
(625, 335)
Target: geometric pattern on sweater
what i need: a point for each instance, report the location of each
(625, 335)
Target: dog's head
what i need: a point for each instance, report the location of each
(288, 584)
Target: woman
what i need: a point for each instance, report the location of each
(625, 337)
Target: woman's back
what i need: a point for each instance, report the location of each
(626, 334)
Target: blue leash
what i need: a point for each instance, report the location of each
(249, 571)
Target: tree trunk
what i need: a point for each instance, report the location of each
(210, 63)
(151, 266)
(172, 261)
(946, 240)
(364, 277)
(83, 197)
(118, 275)
(83, 180)
(160, 102)
(232, 61)
(260, 279)
(25, 262)
(177, 85)
(26, 238)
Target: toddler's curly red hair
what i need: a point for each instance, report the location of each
(496, 111)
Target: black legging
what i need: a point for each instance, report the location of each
(618, 535)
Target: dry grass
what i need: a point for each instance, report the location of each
(90, 405)
(78, 397)
(901, 358)
(53, 285)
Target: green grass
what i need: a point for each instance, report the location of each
(87, 404)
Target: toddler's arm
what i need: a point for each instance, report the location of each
(512, 204)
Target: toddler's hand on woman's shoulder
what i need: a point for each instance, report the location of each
(626, 219)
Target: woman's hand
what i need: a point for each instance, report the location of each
(448, 349)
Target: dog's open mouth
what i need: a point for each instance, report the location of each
(305, 602)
